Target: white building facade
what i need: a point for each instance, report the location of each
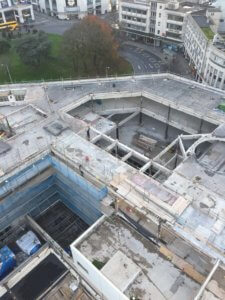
(205, 48)
(64, 9)
(161, 19)
(21, 11)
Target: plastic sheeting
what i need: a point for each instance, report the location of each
(29, 243)
(7, 261)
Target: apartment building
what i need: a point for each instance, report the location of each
(157, 19)
(64, 9)
(204, 45)
(20, 11)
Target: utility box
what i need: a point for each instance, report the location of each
(7, 261)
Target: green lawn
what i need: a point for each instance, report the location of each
(52, 68)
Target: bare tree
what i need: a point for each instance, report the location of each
(91, 46)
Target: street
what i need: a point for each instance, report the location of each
(52, 24)
(142, 61)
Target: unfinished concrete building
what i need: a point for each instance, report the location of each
(119, 183)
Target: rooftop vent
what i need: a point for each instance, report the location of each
(55, 128)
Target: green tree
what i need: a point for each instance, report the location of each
(33, 49)
(91, 46)
(4, 46)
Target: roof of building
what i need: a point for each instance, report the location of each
(54, 117)
(201, 20)
(151, 274)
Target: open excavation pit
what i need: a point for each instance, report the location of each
(50, 197)
(145, 133)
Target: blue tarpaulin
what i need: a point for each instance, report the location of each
(7, 261)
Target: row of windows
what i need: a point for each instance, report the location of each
(153, 5)
(135, 27)
(173, 35)
(174, 26)
(153, 14)
(217, 59)
(214, 77)
(175, 18)
(134, 10)
(195, 32)
(125, 17)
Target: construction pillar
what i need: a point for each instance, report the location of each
(117, 132)
(88, 134)
(140, 118)
(200, 127)
(167, 123)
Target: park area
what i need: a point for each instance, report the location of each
(54, 66)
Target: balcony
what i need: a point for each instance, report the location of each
(177, 31)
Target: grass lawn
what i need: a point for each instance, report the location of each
(52, 68)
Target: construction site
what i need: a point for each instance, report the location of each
(112, 189)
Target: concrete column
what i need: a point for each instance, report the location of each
(140, 118)
(206, 75)
(88, 134)
(50, 6)
(20, 14)
(167, 123)
(3, 17)
(216, 80)
(9, 3)
(32, 13)
(222, 81)
(211, 79)
(117, 133)
(200, 127)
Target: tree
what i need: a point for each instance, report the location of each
(4, 46)
(33, 49)
(91, 44)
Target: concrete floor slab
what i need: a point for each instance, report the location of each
(158, 279)
(121, 270)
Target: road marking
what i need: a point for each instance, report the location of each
(139, 67)
(150, 66)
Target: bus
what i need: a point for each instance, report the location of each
(12, 25)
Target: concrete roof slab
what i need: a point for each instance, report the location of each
(121, 270)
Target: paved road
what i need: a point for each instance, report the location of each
(143, 61)
(51, 24)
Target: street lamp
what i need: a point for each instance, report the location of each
(7, 68)
(106, 71)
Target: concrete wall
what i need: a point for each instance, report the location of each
(64, 184)
(113, 105)
(95, 277)
(23, 201)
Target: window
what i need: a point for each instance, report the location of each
(158, 23)
(158, 31)
(160, 6)
(159, 15)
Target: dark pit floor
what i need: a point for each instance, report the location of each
(62, 224)
(39, 279)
